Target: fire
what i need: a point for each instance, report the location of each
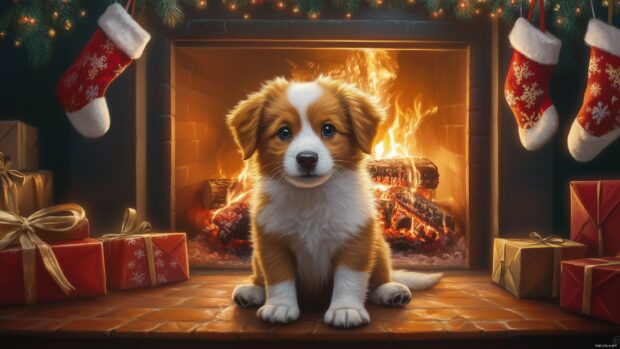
(374, 71)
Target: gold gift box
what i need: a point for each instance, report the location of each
(20, 142)
(34, 194)
(530, 268)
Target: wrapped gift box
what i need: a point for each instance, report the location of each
(23, 192)
(80, 260)
(530, 268)
(592, 286)
(19, 141)
(143, 260)
(595, 216)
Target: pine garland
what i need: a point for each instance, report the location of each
(33, 24)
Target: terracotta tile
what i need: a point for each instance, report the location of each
(533, 326)
(207, 302)
(20, 324)
(181, 314)
(375, 330)
(299, 330)
(378, 312)
(49, 326)
(209, 291)
(138, 328)
(175, 329)
(433, 314)
(92, 326)
(126, 313)
(458, 302)
(462, 326)
(584, 324)
(64, 311)
(492, 326)
(488, 314)
(158, 302)
(12, 312)
(259, 330)
(443, 293)
(542, 313)
(415, 329)
(219, 330)
(234, 313)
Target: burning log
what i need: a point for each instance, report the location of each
(233, 222)
(423, 210)
(405, 172)
(215, 191)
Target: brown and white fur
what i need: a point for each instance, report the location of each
(314, 226)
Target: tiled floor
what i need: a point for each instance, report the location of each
(463, 306)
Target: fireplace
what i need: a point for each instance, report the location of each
(429, 163)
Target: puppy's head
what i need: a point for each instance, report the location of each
(305, 132)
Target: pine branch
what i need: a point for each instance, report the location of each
(168, 10)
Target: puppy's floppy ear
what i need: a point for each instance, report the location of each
(365, 113)
(243, 121)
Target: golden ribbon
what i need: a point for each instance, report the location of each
(586, 301)
(9, 179)
(52, 220)
(131, 228)
(553, 241)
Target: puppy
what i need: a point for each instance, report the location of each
(313, 212)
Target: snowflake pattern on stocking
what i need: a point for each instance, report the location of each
(97, 64)
(92, 92)
(599, 112)
(595, 89)
(71, 79)
(521, 72)
(138, 278)
(593, 66)
(530, 120)
(530, 94)
(614, 75)
(107, 46)
(511, 99)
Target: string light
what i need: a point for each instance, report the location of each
(82, 13)
(296, 9)
(51, 32)
(578, 11)
(68, 25)
(17, 43)
(55, 15)
(348, 15)
(281, 4)
(313, 15)
(232, 7)
(202, 3)
(2, 34)
(246, 16)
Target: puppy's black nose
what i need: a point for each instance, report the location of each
(307, 160)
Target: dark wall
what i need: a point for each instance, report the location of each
(98, 174)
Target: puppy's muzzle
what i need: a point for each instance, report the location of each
(307, 160)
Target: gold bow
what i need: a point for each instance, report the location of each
(131, 228)
(549, 240)
(553, 241)
(9, 179)
(53, 221)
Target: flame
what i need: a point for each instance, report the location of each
(374, 71)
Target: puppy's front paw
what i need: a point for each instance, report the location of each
(278, 313)
(249, 295)
(346, 317)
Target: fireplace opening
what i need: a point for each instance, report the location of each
(419, 165)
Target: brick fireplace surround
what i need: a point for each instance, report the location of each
(464, 310)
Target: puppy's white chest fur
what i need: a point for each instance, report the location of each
(317, 220)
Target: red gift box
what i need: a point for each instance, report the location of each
(591, 286)
(146, 260)
(595, 216)
(81, 261)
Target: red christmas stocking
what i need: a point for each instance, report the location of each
(598, 121)
(527, 84)
(116, 43)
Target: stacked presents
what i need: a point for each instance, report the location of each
(584, 271)
(46, 252)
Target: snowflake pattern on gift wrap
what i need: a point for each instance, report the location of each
(160, 263)
(139, 254)
(521, 72)
(530, 94)
(593, 66)
(595, 89)
(132, 241)
(161, 278)
(107, 46)
(138, 278)
(92, 92)
(157, 252)
(528, 121)
(173, 264)
(511, 99)
(614, 75)
(97, 64)
(132, 265)
(599, 112)
(613, 99)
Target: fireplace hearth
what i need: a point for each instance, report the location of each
(430, 164)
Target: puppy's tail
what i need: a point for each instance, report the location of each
(416, 281)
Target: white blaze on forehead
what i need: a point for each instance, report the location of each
(301, 95)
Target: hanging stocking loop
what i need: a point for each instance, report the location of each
(541, 20)
(610, 11)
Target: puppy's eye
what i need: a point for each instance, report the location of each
(328, 130)
(285, 133)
